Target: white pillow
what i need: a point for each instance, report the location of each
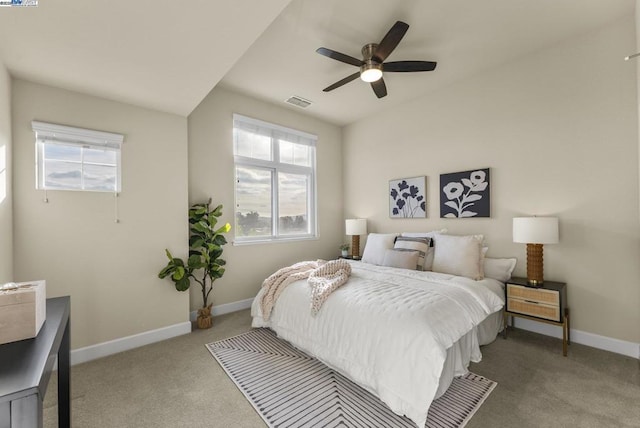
(419, 244)
(499, 269)
(428, 259)
(377, 244)
(401, 259)
(459, 255)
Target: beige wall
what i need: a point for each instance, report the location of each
(211, 174)
(108, 269)
(559, 130)
(6, 196)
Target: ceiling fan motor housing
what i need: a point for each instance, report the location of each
(368, 51)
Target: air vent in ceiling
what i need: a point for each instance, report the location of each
(298, 101)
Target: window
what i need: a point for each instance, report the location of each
(76, 159)
(275, 181)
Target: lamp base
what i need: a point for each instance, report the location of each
(534, 265)
(535, 283)
(355, 247)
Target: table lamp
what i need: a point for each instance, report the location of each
(356, 227)
(535, 231)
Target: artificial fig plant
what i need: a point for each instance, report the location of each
(204, 264)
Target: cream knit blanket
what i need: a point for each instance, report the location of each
(278, 281)
(324, 278)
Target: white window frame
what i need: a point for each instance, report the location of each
(275, 166)
(50, 133)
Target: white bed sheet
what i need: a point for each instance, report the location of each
(390, 330)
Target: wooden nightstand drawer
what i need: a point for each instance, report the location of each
(546, 302)
(538, 295)
(534, 309)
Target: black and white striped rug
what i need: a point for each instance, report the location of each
(288, 388)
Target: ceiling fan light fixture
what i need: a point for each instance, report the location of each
(370, 73)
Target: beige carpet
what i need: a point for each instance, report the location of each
(174, 384)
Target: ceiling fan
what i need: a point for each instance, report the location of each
(372, 63)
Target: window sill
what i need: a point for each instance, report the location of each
(274, 240)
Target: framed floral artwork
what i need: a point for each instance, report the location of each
(465, 194)
(408, 198)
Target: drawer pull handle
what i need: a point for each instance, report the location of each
(531, 301)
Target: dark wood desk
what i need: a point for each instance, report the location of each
(25, 369)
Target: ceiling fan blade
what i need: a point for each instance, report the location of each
(407, 66)
(390, 41)
(379, 88)
(344, 81)
(339, 56)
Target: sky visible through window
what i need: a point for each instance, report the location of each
(253, 192)
(78, 167)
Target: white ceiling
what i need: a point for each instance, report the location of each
(465, 37)
(161, 54)
(168, 55)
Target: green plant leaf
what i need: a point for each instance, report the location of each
(178, 274)
(217, 273)
(168, 270)
(195, 262)
(196, 242)
(200, 227)
(215, 253)
(183, 284)
(219, 240)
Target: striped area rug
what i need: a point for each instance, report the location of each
(290, 389)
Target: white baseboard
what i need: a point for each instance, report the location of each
(82, 355)
(618, 346)
(104, 349)
(226, 308)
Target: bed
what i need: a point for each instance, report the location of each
(401, 334)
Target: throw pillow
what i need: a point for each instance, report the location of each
(376, 246)
(404, 259)
(421, 245)
(459, 255)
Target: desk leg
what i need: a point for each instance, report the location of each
(26, 412)
(64, 379)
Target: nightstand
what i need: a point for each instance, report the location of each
(546, 303)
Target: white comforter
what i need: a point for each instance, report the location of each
(386, 329)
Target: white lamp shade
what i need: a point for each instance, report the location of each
(356, 226)
(535, 230)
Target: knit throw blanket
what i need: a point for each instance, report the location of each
(324, 278)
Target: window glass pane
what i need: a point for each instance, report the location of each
(60, 152)
(107, 157)
(62, 175)
(252, 145)
(99, 177)
(253, 202)
(295, 154)
(293, 203)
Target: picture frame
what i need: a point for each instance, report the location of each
(408, 197)
(465, 194)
